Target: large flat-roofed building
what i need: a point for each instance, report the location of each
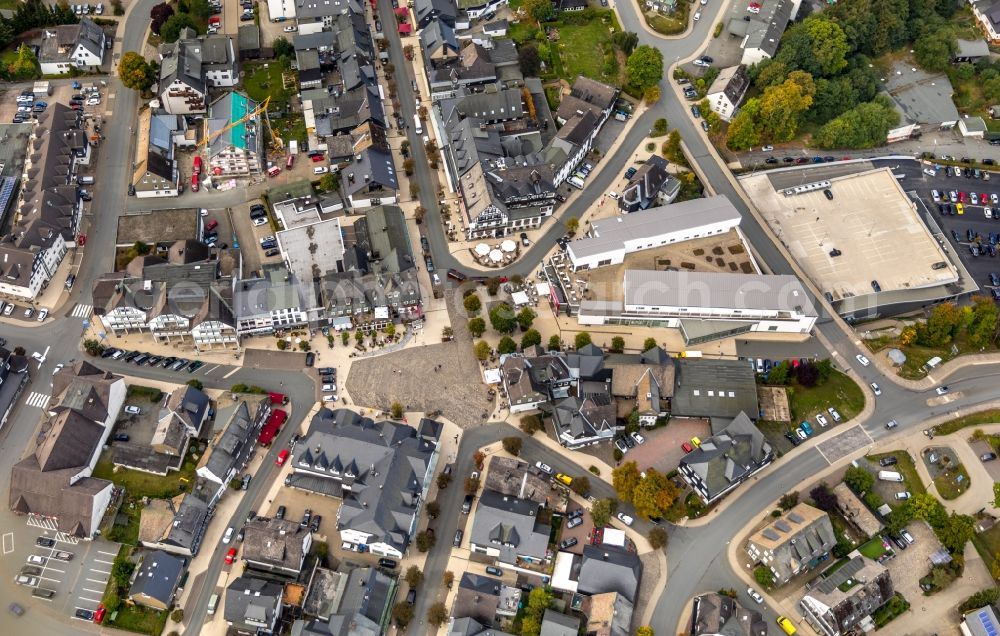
(706, 305)
(850, 243)
(609, 240)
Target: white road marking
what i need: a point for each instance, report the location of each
(39, 400)
(96, 581)
(210, 369)
(102, 561)
(82, 310)
(87, 589)
(231, 372)
(101, 571)
(49, 578)
(111, 554)
(50, 569)
(8, 542)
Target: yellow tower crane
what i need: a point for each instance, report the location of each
(207, 138)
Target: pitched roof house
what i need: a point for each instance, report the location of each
(836, 604)
(650, 186)
(727, 91)
(558, 624)
(253, 605)
(72, 46)
(156, 580)
(609, 568)
(714, 614)
(182, 416)
(725, 460)
(231, 451)
(351, 601)
(236, 150)
(176, 526)
(792, 543)
(507, 528)
(582, 421)
(607, 614)
(276, 545)
(380, 469)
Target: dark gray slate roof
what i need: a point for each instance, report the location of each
(510, 525)
(705, 387)
(252, 603)
(557, 624)
(608, 568)
(158, 576)
(236, 442)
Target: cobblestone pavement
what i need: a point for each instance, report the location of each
(442, 377)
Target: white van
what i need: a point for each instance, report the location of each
(888, 475)
(213, 602)
(576, 182)
(85, 180)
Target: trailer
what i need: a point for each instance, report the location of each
(41, 89)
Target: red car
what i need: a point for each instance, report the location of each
(687, 448)
(197, 164)
(316, 158)
(961, 197)
(194, 183)
(282, 456)
(211, 225)
(99, 614)
(230, 556)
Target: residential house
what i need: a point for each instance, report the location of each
(587, 96)
(531, 380)
(156, 580)
(586, 420)
(253, 606)
(762, 34)
(558, 624)
(650, 186)
(980, 622)
(987, 14)
(485, 599)
(608, 568)
(714, 614)
(847, 598)
(471, 627)
(155, 173)
(181, 418)
(248, 42)
(55, 480)
(971, 51)
(313, 16)
(381, 471)
(350, 601)
(719, 389)
(474, 9)
(192, 65)
(14, 377)
(177, 525)
(496, 28)
(439, 44)
(263, 305)
(507, 528)
(728, 90)
(371, 179)
(972, 127)
(644, 388)
(607, 614)
(795, 542)
(570, 5)
(235, 150)
(68, 47)
(430, 11)
(229, 454)
(48, 205)
(726, 459)
(278, 546)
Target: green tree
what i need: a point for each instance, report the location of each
(941, 326)
(329, 183)
(555, 343)
(6, 34)
(345, 337)
(644, 66)
(996, 494)
(437, 614)
(502, 318)
(443, 481)
(626, 41)
(572, 225)
(199, 8)
(744, 130)
(414, 576)
(788, 500)
(864, 126)
(672, 149)
(981, 329)
(493, 286)
(390, 330)
(530, 338)
(654, 495)
(580, 485)
(956, 532)
(471, 485)
(135, 72)
(482, 350)
(472, 304)
(196, 383)
(92, 346)
(25, 66)
(763, 576)
(531, 424)
(477, 326)
(858, 479)
(601, 512)
(827, 45)
(624, 479)
(171, 29)
(779, 374)
(781, 110)
(934, 52)
(396, 410)
(617, 344)
(512, 445)
(506, 345)
(528, 60)
(538, 10)
(425, 541)
(433, 509)
(525, 317)
(582, 339)
(649, 343)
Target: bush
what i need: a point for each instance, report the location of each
(658, 538)
(555, 343)
(396, 410)
(649, 343)
(425, 541)
(858, 479)
(788, 501)
(443, 481)
(763, 576)
(506, 345)
(402, 614)
(433, 509)
(437, 614)
(177, 615)
(512, 445)
(471, 485)
(196, 383)
(582, 339)
(980, 599)
(580, 485)
(472, 304)
(617, 454)
(531, 424)
(617, 344)
(414, 576)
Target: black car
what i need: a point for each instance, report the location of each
(45, 542)
(902, 545)
(411, 597)
(84, 614)
(430, 265)
(828, 193)
(987, 457)
(493, 570)
(246, 17)
(166, 362)
(387, 563)
(876, 286)
(424, 244)
(772, 160)
(888, 461)
(327, 371)
(121, 437)
(194, 366)
(791, 437)
(628, 441)
(314, 524)
(107, 353)
(327, 378)
(306, 518)
(955, 235)
(272, 252)
(310, 358)
(280, 514)
(568, 543)
(706, 58)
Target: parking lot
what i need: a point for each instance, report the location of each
(957, 229)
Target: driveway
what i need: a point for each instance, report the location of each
(662, 449)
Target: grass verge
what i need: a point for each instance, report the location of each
(990, 416)
(952, 482)
(839, 392)
(872, 549)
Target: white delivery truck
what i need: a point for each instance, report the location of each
(888, 475)
(419, 128)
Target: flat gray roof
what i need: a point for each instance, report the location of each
(610, 234)
(713, 289)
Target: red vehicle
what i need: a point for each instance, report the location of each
(99, 614)
(211, 225)
(271, 427)
(687, 448)
(194, 183)
(197, 164)
(278, 398)
(230, 556)
(282, 456)
(316, 158)
(289, 162)
(215, 20)
(961, 197)
(273, 171)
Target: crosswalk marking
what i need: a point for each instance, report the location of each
(67, 538)
(82, 311)
(37, 399)
(38, 521)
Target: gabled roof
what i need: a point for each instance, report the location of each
(510, 525)
(252, 602)
(235, 443)
(275, 543)
(729, 456)
(84, 388)
(157, 577)
(608, 568)
(558, 624)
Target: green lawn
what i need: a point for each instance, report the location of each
(264, 80)
(140, 484)
(948, 484)
(135, 618)
(9, 4)
(873, 549)
(839, 391)
(127, 534)
(990, 416)
(987, 543)
(290, 127)
(583, 48)
(670, 24)
(907, 469)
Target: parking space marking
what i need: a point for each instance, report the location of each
(49, 578)
(92, 600)
(235, 369)
(110, 554)
(108, 572)
(49, 569)
(103, 561)
(211, 369)
(8, 542)
(38, 521)
(87, 589)
(97, 581)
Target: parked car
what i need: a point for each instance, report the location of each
(458, 538)
(834, 414)
(902, 495)
(620, 445)
(282, 456)
(545, 468)
(941, 390)
(624, 518)
(639, 439)
(315, 523)
(888, 461)
(988, 457)
(133, 410)
(755, 596)
(568, 543)
(230, 556)
(493, 570)
(574, 522)
(822, 420)
(388, 564)
(306, 518)
(863, 360)
(687, 448)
